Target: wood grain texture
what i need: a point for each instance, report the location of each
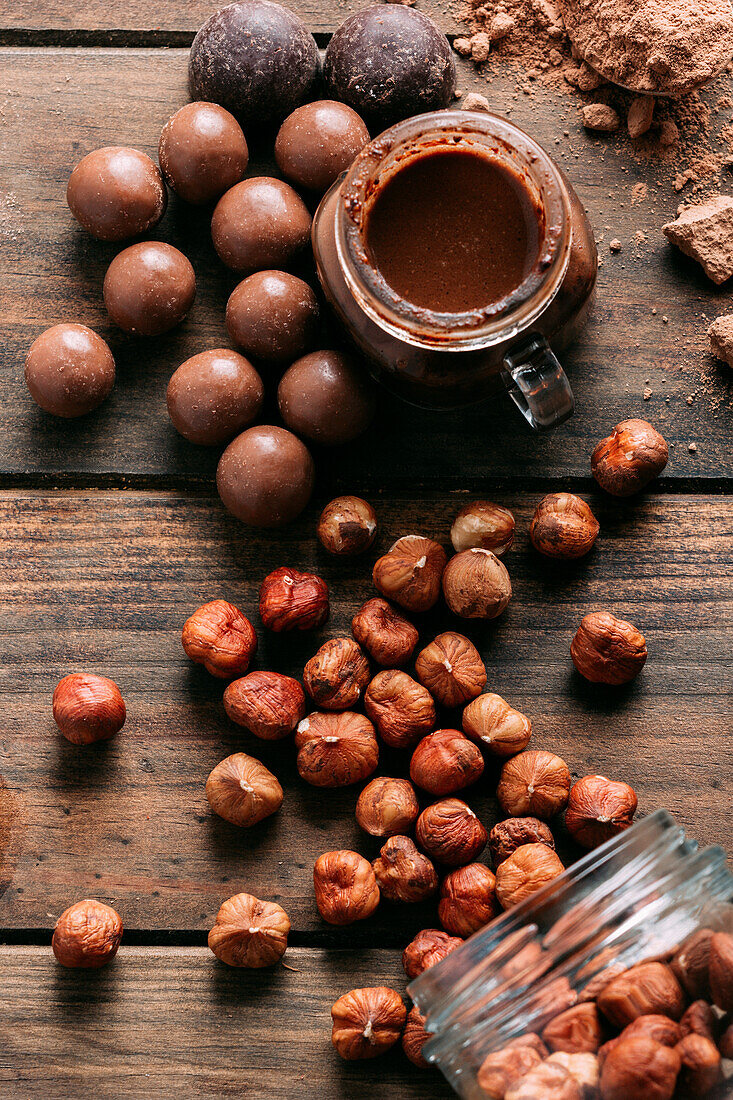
(57, 105)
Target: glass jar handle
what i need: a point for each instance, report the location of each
(537, 384)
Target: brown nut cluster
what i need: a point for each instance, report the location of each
(402, 710)
(87, 935)
(410, 572)
(450, 832)
(607, 650)
(403, 873)
(346, 887)
(242, 790)
(388, 637)
(367, 1022)
(429, 947)
(445, 762)
(483, 525)
(335, 750)
(476, 585)
(507, 836)
(526, 871)
(249, 932)
(337, 675)
(598, 809)
(267, 704)
(387, 807)
(628, 459)
(467, 900)
(290, 600)
(219, 637)
(643, 990)
(347, 526)
(534, 783)
(88, 708)
(451, 669)
(414, 1038)
(577, 1030)
(563, 527)
(500, 728)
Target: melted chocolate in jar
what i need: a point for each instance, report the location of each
(453, 231)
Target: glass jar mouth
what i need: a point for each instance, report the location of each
(453, 130)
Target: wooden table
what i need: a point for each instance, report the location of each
(112, 534)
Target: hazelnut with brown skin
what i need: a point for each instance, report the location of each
(267, 704)
(701, 1065)
(88, 708)
(219, 637)
(429, 947)
(691, 964)
(387, 807)
(535, 782)
(507, 836)
(642, 990)
(476, 585)
(242, 790)
(410, 572)
(450, 832)
(346, 887)
(402, 710)
(336, 749)
(638, 1068)
(598, 809)
(403, 873)
(628, 459)
(699, 1019)
(497, 726)
(607, 650)
(249, 932)
(337, 675)
(414, 1038)
(525, 872)
(548, 1080)
(502, 1069)
(290, 600)
(388, 637)
(655, 1026)
(445, 762)
(451, 669)
(563, 527)
(87, 935)
(467, 900)
(575, 1031)
(483, 525)
(721, 970)
(367, 1022)
(347, 526)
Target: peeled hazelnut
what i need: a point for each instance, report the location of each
(403, 873)
(445, 762)
(242, 791)
(598, 809)
(428, 948)
(346, 888)
(414, 1038)
(483, 525)
(691, 964)
(721, 970)
(504, 1068)
(507, 836)
(367, 1022)
(219, 637)
(402, 710)
(699, 1019)
(525, 872)
(629, 458)
(337, 675)
(701, 1069)
(476, 585)
(563, 527)
(535, 782)
(336, 749)
(607, 650)
(88, 708)
(450, 832)
(249, 932)
(268, 704)
(451, 669)
(493, 723)
(290, 600)
(637, 1068)
(387, 807)
(87, 935)
(583, 1068)
(467, 900)
(410, 572)
(547, 1080)
(640, 991)
(662, 1029)
(576, 1030)
(348, 526)
(386, 635)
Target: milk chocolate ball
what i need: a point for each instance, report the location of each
(273, 316)
(149, 288)
(116, 193)
(326, 397)
(265, 476)
(318, 142)
(260, 223)
(202, 152)
(213, 396)
(69, 370)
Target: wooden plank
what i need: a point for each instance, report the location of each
(174, 1022)
(105, 580)
(58, 104)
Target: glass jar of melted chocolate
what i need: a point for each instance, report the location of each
(454, 252)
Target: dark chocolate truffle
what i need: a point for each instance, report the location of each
(318, 142)
(116, 193)
(265, 476)
(255, 58)
(326, 397)
(389, 62)
(202, 152)
(69, 370)
(149, 288)
(273, 316)
(213, 396)
(260, 223)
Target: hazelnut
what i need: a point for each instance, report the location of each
(699, 1019)
(290, 600)
(403, 873)
(410, 572)
(691, 963)
(563, 527)
(87, 935)
(607, 650)
(414, 1038)
(450, 832)
(367, 1022)
(219, 637)
(582, 1067)
(346, 887)
(388, 637)
(504, 1068)
(467, 900)
(660, 1028)
(507, 836)
(598, 809)
(267, 704)
(547, 1080)
(530, 1039)
(451, 669)
(445, 762)
(630, 458)
(347, 526)
(701, 1069)
(336, 676)
(638, 1068)
(643, 990)
(401, 709)
(249, 932)
(493, 723)
(525, 872)
(336, 749)
(535, 783)
(476, 585)
(88, 708)
(428, 948)
(575, 1031)
(242, 791)
(483, 525)
(387, 807)
(721, 970)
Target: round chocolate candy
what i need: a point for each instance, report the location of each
(326, 397)
(149, 288)
(213, 396)
(116, 193)
(318, 142)
(202, 152)
(260, 223)
(273, 316)
(265, 476)
(69, 370)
